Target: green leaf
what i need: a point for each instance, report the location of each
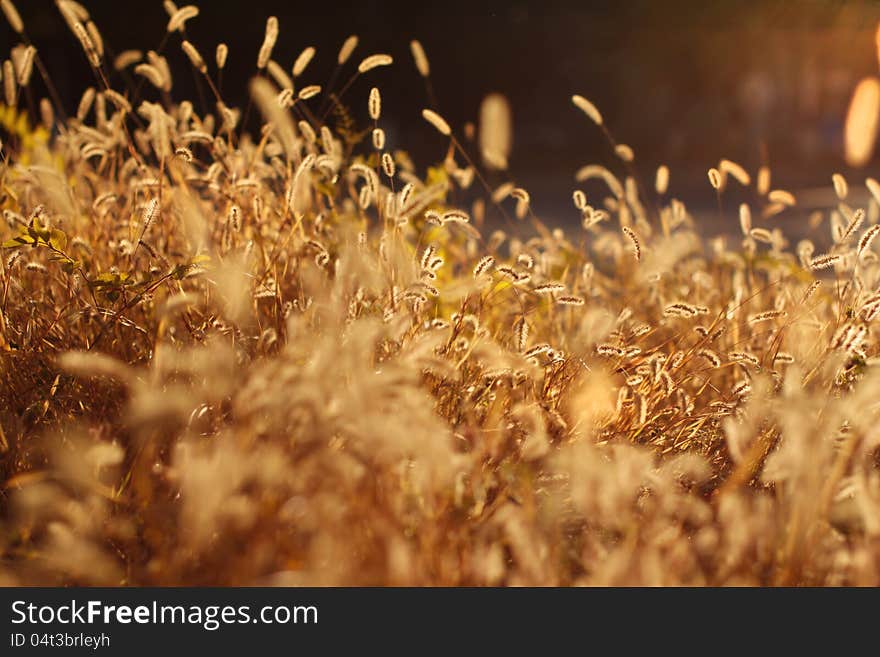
(111, 280)
(57, 239)
(39, 234)
(20, 240)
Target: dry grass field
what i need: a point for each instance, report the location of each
(293, 356)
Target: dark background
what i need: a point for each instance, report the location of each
(684, 83)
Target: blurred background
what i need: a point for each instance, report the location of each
(683, 83)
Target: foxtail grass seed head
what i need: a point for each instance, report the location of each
(502, 192)
(854, 224)
(763, 184)
(152, 74)
(194, 56)
(715, 178)
(860, 128)
(840, 186)
(309, 92)
(624, 152)
(120, 101)
(523, 201)
(221, 55)
(682, 309)
(161, 64)
(745, 219)
(270, 37)
(307, 131)
(26, 66)
(420, 58)
(9, 86)
(12, 16)
(437, 121)
(521, 333)
(150, 212)
(591, 171)
(375, 104)
(74, 12)
(781, 196)
(455, 216)
(744, 357)
(302, 61)
(87, 44)
(867, 239)
(661, 180)
(285, 97)
(47, 114)
(549, 288)
(587, 108)
(277, 73)
(824, 262)
(427, 256)
(265, 95)
(347, 49)
(374, 61)
(521, 195)
(388, 164)
(766, 315)
(378, 139)
(610, 351)
(772, 209)
(711, 357)
(178, 20)
(495, 131)
(484, 266)
(736, 171)
(508, 272)
(761, 235)
(634, 239)
(85, 103)
(126, 58)
(811, 290)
